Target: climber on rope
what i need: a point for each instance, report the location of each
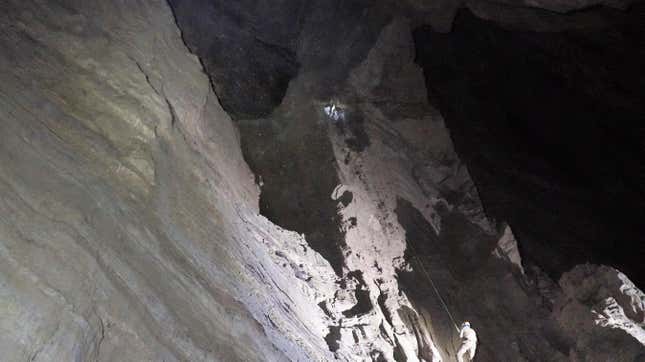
(468, 342)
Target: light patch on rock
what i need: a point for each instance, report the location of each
(613, 316)
(507, 248)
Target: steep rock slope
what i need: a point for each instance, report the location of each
(130, 226)
(364, 168)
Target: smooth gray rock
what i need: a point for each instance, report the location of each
(128, 228)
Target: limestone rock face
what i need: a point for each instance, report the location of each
(597, 298)
(129, 227)
(369, 175)
(248, 47)
(132, 228)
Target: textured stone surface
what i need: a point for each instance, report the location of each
(598, 307)
(252, 49)
(130, 226)
(248, 47)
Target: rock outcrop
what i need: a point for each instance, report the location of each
(598, 306)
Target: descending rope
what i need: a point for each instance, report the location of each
(434, 287)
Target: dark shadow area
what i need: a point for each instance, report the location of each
(297, 169)
(474, 285)
(551, 128)
(247, 47)
(363, 302)
(353, 130)
(333, 338)
(251, 50)
(425, 252)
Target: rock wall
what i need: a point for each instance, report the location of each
(132, 229)
(129, 228)
(365, 169)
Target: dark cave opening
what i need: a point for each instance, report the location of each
(549, 123)
(278, 180)
(297, 180)
(551, 128)
(250, 60)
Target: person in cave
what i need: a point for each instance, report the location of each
(468, 342)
